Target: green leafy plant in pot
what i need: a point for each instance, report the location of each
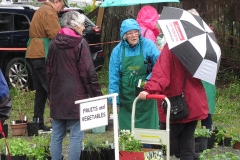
(41, 146)
(235, 143)
(139, 87)
(130, 148)
(201, 136)
(20, 100)
(91, 149)
(219, 136)
(18, 147)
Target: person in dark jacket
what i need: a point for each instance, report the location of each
(71, 76)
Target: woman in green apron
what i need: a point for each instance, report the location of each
(126, 67)
(210, 90)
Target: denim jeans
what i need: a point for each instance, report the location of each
(59, 132)
(40, 85)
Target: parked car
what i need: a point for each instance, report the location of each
(15, 19)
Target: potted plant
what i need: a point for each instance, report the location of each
(219, 136)
(201, 136)
(227, 139)
(19, 125)
(91, 149)
(129, 147)
(140, 86)
(107, 152)
(19, 149)
(41, 146)
(235, 143)
(223, 137)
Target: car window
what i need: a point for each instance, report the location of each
(5, 20)
(20, 22)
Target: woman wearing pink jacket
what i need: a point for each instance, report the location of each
(147, 19)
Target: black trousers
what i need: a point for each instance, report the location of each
(207, 122)
(182, 142)
(40, 85)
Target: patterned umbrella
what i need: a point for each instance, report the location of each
(192, 41)
(112, 3)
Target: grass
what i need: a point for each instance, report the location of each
(226, 113)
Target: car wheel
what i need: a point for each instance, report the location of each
(17, 75)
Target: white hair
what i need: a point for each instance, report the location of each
(124, 36)
(72, 18)
(193, 11)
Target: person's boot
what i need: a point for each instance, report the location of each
(44, 128)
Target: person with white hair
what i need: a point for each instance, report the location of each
(71, 76)
(193, 11)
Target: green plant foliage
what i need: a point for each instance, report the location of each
(235, 138)
(41, 144)
(87, 9)
(127, 142)
(227, 101)
(202, 132)
(163, 147)
(95, 143)
(17, 147)
(214, 155)
(22, 101)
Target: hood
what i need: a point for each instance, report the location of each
(127, 25)
(147, 17)
(67, 38)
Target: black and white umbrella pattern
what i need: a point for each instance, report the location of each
(192, 41)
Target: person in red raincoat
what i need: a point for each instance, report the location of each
(168, 79)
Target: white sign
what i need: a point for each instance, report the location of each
(93, 114)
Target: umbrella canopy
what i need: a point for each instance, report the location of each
(112, 3)
(192, 41)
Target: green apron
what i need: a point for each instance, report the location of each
(210, 90)
(146, 115)
(46, 42)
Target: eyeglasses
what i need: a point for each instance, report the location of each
(131, 33)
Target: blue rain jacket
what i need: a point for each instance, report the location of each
(115, 65)
(5, 99)
(4, 90)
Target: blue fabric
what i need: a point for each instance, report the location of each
(115, 65)
(59, 132)
(4, 90)
(127, 25)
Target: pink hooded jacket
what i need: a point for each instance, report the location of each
(147, 19)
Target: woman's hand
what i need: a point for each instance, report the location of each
(143, 94)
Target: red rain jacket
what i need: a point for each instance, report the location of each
(168, 79)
